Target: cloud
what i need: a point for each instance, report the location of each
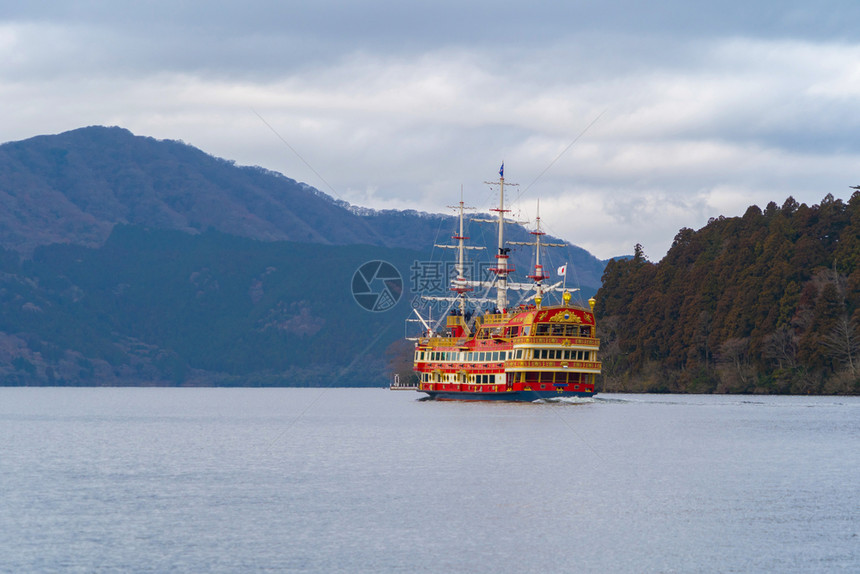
(702, 111)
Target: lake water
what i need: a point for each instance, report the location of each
(370, 480)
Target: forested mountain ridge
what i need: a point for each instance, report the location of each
(764, 303)
(74, 187)
(162, 307)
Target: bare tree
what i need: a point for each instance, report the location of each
(734, 360)
(844, 343)
(781, 346)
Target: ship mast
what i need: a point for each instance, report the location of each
(501, 270)
(538, 275)
(460, 285)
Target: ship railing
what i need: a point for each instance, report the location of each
(442, 341)
(563, 341)
(540, 364)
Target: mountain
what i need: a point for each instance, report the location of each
(162, 307)
(76, 186)
(126, 260)
(764, 303)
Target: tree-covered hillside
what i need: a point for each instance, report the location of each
(156, 307)
(764, 303)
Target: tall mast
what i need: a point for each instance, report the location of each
(460, 283)
(501, 270)
(538, 276)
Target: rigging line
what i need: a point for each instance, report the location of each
(564, 151)
(371, 229)
(325, 388)
(298, 155)
(436, 239)
(590, 447)
(568, 250)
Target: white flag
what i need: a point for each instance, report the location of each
(562, 271)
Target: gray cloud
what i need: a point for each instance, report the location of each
(706, 109)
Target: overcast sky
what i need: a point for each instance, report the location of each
(679, 111)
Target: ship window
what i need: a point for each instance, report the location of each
(519, 354)
(541, 329)
(557, 330)
(495, 356)
(526, 330)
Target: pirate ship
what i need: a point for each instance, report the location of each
(512, 352)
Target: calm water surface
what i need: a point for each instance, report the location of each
(368, 480)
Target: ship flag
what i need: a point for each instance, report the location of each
(502, 170)
(562, 271)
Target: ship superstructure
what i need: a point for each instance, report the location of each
(520, 352)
